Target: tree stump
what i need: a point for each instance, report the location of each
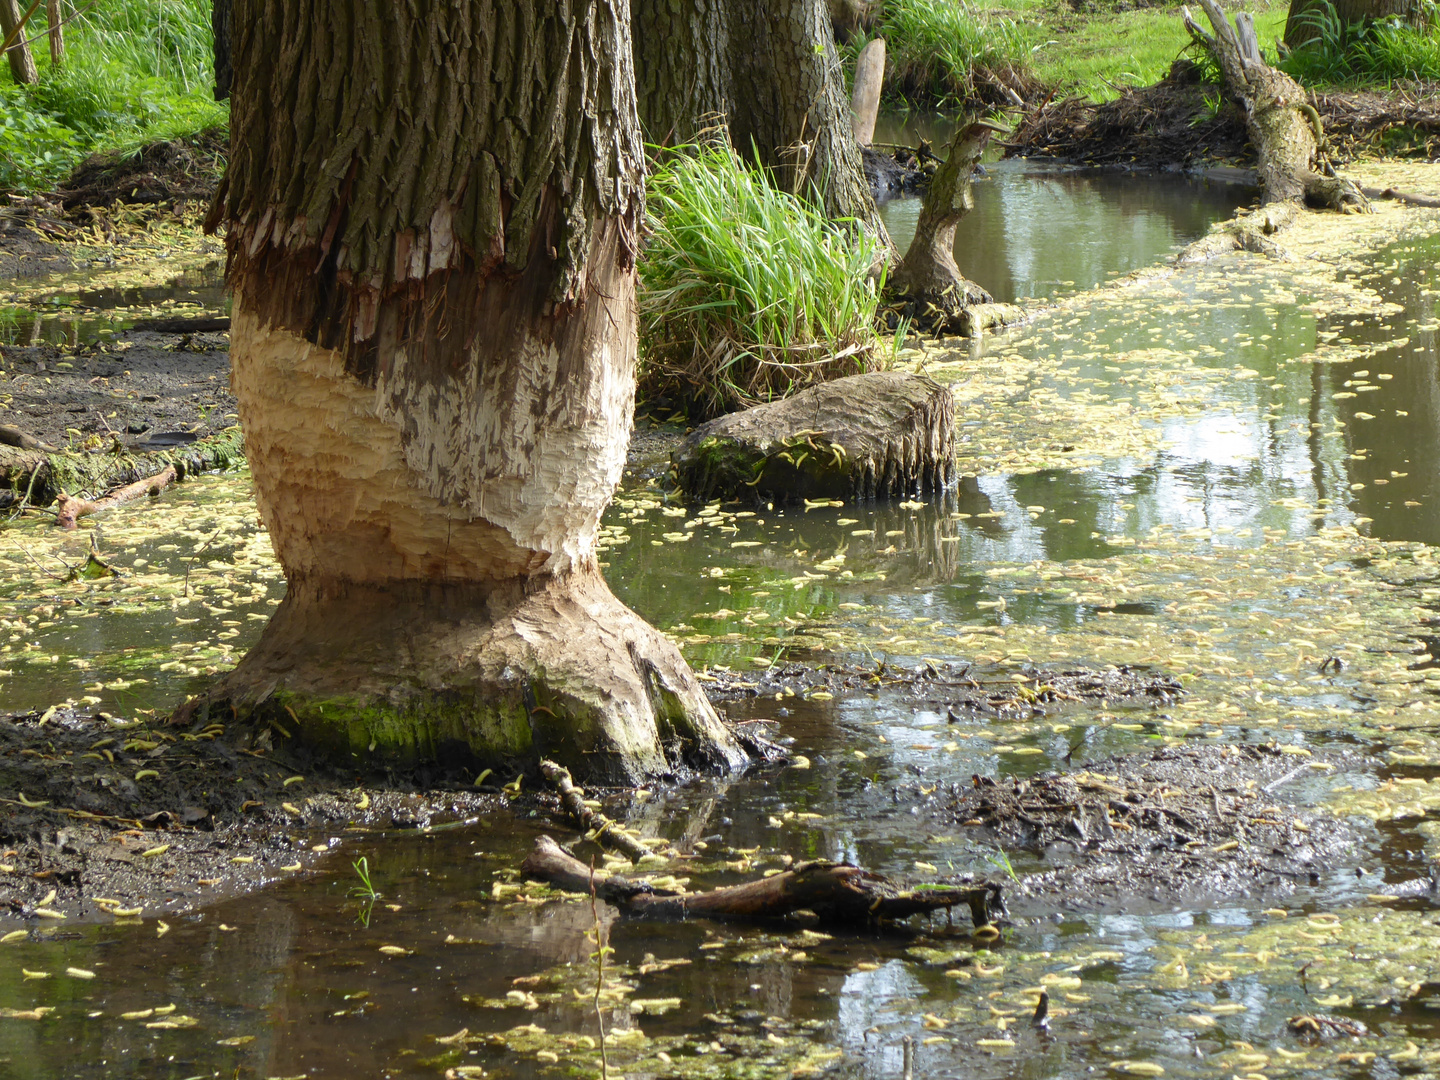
(928, 278)
(1281, 123)
(866, 436)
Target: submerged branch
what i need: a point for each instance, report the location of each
(69, 508)
(836, 892)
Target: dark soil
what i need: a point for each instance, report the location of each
(1194, 822)
(31, 245)
(167, 821)
(1183, 122)
(953, 689)
(134, 386)
(169, 173)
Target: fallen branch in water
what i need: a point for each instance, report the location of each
(601, 829)
(69, 509)
(836, 892)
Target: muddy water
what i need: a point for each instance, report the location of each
(77, 315)
(1237, 533)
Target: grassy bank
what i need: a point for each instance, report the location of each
(134, 71)
(943, 52)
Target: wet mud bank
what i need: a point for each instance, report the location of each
(1180, 123)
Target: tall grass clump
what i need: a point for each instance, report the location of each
(747, 293)
(946, 51)
(1365, 52)
(135, 71)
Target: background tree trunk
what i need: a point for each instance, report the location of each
(430, 218)
(1300, 28)
(53, 16)
(22, 64)
(220, 27)
(770, 71)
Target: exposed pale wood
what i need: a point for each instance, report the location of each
(68, 508)
(433, 349)
(836, 892)
(865, 98)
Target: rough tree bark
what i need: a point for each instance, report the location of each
(1281, 123)
(22, 64)
(1300, 28)
(220, 23)
(928, 276)
(430, 217)
(770, 72)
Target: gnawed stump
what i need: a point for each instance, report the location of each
(866, 436)
(835, 892)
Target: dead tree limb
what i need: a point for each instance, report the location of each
(69, 508)
(1283, 126)
(835, 892)
(928, 277)
(601, 829)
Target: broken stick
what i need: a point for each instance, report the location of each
(836, 892)
(69, 509)
(601, 829)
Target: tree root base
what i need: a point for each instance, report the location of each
(496, 676)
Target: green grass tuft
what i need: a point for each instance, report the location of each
(947, 52)
(746, 293)
(1366, 52)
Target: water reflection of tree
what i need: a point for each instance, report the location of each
(1392, 443)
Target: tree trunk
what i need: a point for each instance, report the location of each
(54, 17)
(220, 21)
(430, 220)
(1282, 125)
(22, 64)
(768, 71)
(1300, 24)
(928, 277)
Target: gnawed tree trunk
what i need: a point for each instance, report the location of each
(430, 219)
(22, 64)
(928, 277)
(836, 892)
(769, 71)
(1300, 23)
(1281, 123)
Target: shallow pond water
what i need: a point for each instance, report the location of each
(1040, 230)
(1228, 476)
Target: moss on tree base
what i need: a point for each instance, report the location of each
(475, 677)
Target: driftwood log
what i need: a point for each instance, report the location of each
(928, 279)
(865, 436)
(1282, 124)
(68, 508)
(835, 892)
